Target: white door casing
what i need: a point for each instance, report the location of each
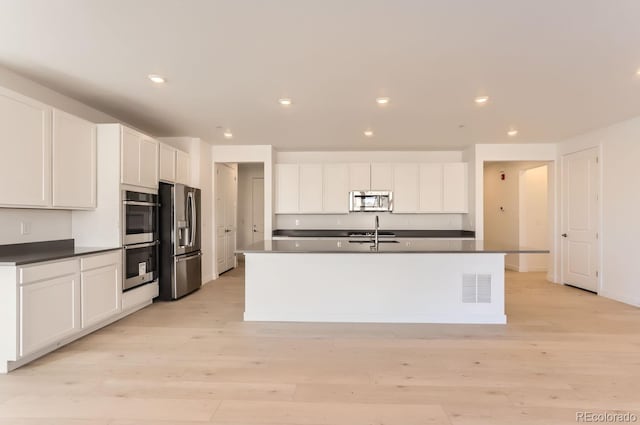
(580, 219)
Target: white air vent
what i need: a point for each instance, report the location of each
(476, 288)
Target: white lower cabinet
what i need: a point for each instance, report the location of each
(101, 288)
(49, 312)
(46, 305)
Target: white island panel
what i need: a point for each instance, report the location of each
(369, 287)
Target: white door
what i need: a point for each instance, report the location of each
(381, 177)
(335, 189)
(405, 190)
(257, 209)
(183, 168)
(148, 163)
(430, 188)
(359, 176)
(225, 217)
(74, 161)
(311, 188)
(167, 166)
(580, 219)
(455, 187)
(25, 162)
(130, 160)
(49, 311)
(287, 188)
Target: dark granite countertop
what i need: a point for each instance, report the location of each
(388, 246)
(344, 233)
(36, 252)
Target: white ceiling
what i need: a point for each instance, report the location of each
(552, 68)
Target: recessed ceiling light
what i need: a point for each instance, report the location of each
(227, 134)
(368, 133)
(158, 79)
(513, 132)
(285, 101)
(481, 100)
(382, 100)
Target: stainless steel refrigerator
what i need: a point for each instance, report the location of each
(180, 255)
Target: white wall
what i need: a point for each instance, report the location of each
(366, 221)
(620, 174)
(45, 224)
(246, 173)
(534, 218)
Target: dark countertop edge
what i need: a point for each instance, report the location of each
(399, 233)
(41, 257)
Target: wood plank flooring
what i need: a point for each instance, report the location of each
(196, 362)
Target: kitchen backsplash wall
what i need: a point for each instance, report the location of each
(41, 225)
(366, 220)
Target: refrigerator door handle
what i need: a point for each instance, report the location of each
(192, 225)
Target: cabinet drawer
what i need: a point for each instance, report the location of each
(100, 260)
(140, 295)
(47, 271)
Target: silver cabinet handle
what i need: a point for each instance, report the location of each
(142, 204)
(143, 245)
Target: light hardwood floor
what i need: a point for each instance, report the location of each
(195, 361)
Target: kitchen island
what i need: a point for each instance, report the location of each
(407, 281)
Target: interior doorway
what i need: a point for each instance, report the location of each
(250, 203)
(226, 194)
(518, 211)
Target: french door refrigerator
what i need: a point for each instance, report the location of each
(180, 255)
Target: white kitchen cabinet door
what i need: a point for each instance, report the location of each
(74, 162)
(430, 183)
(167, 171)
(130, 160)
(100, 291)
(405, 190)
(148, 163)
(359, 176)
(381, 176)
(49, 312)
(183, 168)
(335, 188)
(455, 187)
(25, 162)
(311, 188)
(287, 188)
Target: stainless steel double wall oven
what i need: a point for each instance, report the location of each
(140, 238)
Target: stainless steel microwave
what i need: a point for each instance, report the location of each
(372, 200)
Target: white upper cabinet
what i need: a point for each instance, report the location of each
(167, 163)
(74, 162)
(139, 159)
(417, 188)
(287, 188)
(381, 176)
(336, 188)
(25, 141)
(175, 165)
(149, 163)
(455, 187)
(311, 181)
(359, 176)
(405, 190)
(183, 168)
(430, 182)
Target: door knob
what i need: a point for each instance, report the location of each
(564, 235)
